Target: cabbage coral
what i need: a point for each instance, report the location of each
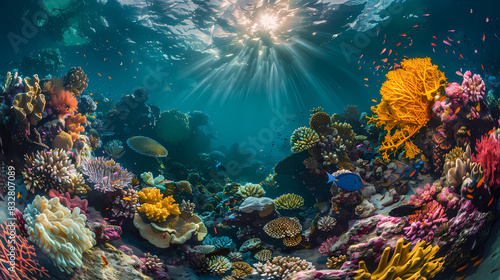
(417, 264)
(303, 138)
(173, 127)
(407, 97)
(289, 201)
(156, 208)
(60, 233)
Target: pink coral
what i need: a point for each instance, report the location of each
(69, 202)
(424, 223)
(450, 199)
(488, 154)
(324, 249)
(456, 94)
(423, 196)
(474, 87)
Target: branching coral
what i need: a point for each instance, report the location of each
(326, 223)
(64, 102)
(219, 264)
(488, 154)
(107, 175)
(173, 127)
(250, 189)
(407, 97)
(60, 233)
(48, 170)
(419, 263)
(289, 201)
(282, 268)
(74, 125)
(473, 86)
(424, 223)
(303, 138)
(156, 208)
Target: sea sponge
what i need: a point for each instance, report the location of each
(250, 244)
(75, 80)
(63, 141)
(60, 233)
(283, 227)
(250, 189)
(219, 264)
(264, 255)
(282, 268)
(64, 102)
(48, 170)
(29, 105)
(417, 264)
(407, 98)
(156, 208)
(74, 125)
(303, 138)
(326, 223)
(241, 269)
(147, 146)
(173, 127)
(320, 122)
(289, 201)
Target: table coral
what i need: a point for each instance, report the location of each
(404, 264)
(60, 233)
(289, 201)
(303, 138)
(407, 97)
(155, 206)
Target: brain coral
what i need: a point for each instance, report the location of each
(407, 97)
(320, 122)
(60, 233)
(156, 208)
(173, 127)
(303, 138)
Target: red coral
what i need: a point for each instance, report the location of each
(63, 102)
(488, 154)
(24, 255)
(69, 202)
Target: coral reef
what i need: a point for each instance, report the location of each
(263, 255)
(320, 122)
(251, 190)
(74, 125)
(282, 268)
(173, 127)
(303, 138)
(61, 233)
(241, 269)
(407, 96)
(155, 207)
(326, 223)
(107, 175)
(289, 201)
(287, 228)
(488, 155)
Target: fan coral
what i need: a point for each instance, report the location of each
(48, 170)
(303, 138)
(474, 87)
(219, 264)
(488, 154)
(289, 201)
(74, 125)
(326, 223)
(250, 244)
(264, 255)
(156, 208)
(19, 252)
(241, 269)
(60, 233)
(114, 149)
(107, 175)
(173, 127)
(75, 80)
(320, 122)
(147, 146)
(404, 264)
(64, 102)
(282, 268)
(219, 242)
(250, 189)
(407, 97)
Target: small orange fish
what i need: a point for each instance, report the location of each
(432, 44)
(383, 50)
(491, 201)
(457, 110)
(484, 37)
(399, 44)
(366, 79)
(215, 229)
(470, 190)
(480, 183)
(468, 132)
(473, 258)
(99, 74)
(482, 67)
(402, 35)
(491, 131)
(390, 51)
(109, 77)
(434, 37)
(382, 198)
(461, 277)
(469, 196)
(374, 100)
(442, 98)
(18, 195)
(127, 198)
(105, 261)
(384, 60)
(377, 67)
(415, 26)
(478, 262)
(478, 107)
(461, 56)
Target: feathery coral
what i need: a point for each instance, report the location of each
(404, 264)
(407, 97)
(155, 206)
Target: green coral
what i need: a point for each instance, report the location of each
(173, 127)
(158, 182)
(289, 201)
(303, 138)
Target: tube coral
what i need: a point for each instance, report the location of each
(407, 97)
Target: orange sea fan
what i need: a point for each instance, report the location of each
(64, 102)
(407, 98)
(74, 125)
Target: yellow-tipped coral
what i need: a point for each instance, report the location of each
(303, 138)
(407, 97)
(404, 265)
(156, 208)
(289, 201)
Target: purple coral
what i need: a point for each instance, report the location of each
(324, 249)
(449, 198)
(474, 87)
(423, 196)
(425, 223)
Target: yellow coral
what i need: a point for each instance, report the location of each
(407, 97)
(404, 265)
(289, 201)
(156, 208)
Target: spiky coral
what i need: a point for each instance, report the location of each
(407, 97)
(156, 208)
(289, 201)
(303, 138)
(417, 264)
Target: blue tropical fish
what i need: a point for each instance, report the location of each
(347, 181)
